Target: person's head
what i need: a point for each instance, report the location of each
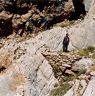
(67, 34)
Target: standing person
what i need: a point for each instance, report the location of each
(66, 41)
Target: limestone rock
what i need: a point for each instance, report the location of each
(75, 68)
(69, 72)
(30, 74)
(84, 85)
(92, 73)
(85, 63)
(87, 4)
(90, 90)
(86, 27)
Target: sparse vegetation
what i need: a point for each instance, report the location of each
(72, 77)
(60, 90)
(83, 52)
(69, 78)
(19, 39)
(56, 69)
(82, 71)
(91, 49)
(86, 52)
(65, 23)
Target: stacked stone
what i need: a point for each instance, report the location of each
(63, 64)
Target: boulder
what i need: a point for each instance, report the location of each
(85, 63)
(69, 72)
(92, 73)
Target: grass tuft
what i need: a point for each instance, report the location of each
(83, 52)
(60, 90)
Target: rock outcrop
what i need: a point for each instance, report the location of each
(87, 4)
(34, 16)
(28, 74)
(36, 75)
(82, 34)
(24, 71)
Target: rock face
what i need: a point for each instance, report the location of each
(90, 87)
(34, 16)
(87, 4)
(87, 28)
(86, 90)
(29, 72)
(24, 71)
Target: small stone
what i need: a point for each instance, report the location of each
(59, 73)
(83, 76)
(62, 68)
(92, 73)
(75, 68)
(69, 72)
(67, 65)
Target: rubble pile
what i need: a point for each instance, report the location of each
(63, 64)
(31, 16)
(71, 70)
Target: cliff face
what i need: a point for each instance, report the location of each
(28, 72)
(24, 71)
(86, 27)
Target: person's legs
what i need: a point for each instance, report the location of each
(64, 48)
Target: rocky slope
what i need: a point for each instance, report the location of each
(32, 16)
(25, 70)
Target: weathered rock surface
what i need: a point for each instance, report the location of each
(86, 27)
(87, 4)
(26, 72)
(85, 63)
(90, 90)
(87, 89)
(33, 16)
(28, 61)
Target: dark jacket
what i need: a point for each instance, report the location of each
(66, 40)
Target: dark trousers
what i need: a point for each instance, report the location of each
(65, 47)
